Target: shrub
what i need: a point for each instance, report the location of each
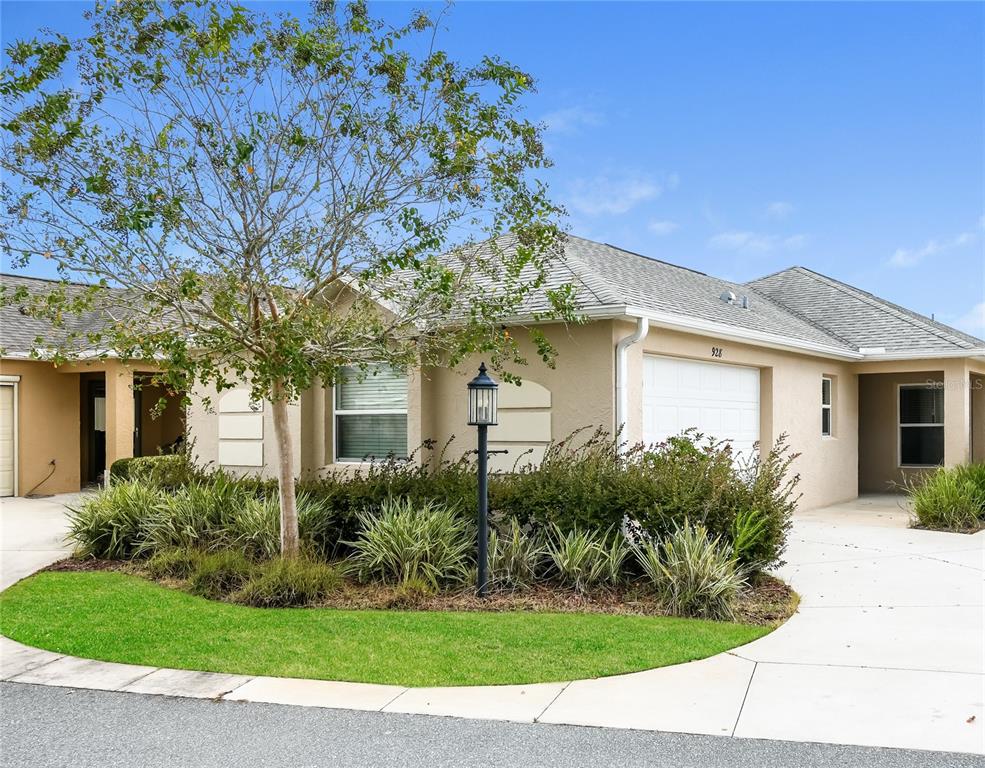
(173, 563)
(692, 574)
(287, 583)
(591, 485)
(109, 524)
(405, 540)
(950, 499)
(221, 573)
(515, 556)
(164, 471)
(749, 531)
(578, 558)
(198, 515)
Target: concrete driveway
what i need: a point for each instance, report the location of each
(33, 535)
(887, 649)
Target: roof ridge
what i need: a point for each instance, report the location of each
(915, 319)
(48, 280)
(801, 316)
(613, 296)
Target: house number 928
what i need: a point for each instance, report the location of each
(716, 351)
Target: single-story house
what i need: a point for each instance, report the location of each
(868, 392)
(62, 426)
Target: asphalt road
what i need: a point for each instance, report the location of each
(45, 726)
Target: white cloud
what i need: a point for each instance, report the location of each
(908, 257)
(779, 210)
(608, 195)
(571, 119)
(662, 227)
(755, 242)
(973, 321)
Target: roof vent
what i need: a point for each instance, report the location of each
(745, 302)
(729, 298)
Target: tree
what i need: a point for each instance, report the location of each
(268, 199)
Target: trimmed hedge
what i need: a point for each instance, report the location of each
(171, 470)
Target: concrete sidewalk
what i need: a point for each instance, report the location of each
(33, 535)
(886, 650)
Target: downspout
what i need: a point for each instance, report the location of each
(622, 395)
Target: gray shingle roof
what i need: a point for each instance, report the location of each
(615, 276)
(796, 304)
(20, 332)
(860, 318)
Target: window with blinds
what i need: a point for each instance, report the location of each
(921, 425)
(370, 414)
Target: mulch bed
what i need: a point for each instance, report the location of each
(766, 602)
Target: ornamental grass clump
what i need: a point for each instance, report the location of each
(219, 574)
(692, 574)
(287, 583)
(403, 540)
(173, 563)
(516, 556)
(110, 524)
(580, 558)
(951, 499)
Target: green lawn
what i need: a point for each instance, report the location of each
(116, 617)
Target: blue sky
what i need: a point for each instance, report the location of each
(739, 139)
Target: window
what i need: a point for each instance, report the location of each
(921, 425)
(370, 414)
(826, 422)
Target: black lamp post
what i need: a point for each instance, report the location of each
(482, 414)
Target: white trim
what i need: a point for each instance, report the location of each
(829, 406)
(14, 383)
(336, 412)
(900, 425)
(8, 378)
(622, 393)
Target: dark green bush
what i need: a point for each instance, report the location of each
(592, 486)
(281, 583)
(219, 574)
(951, 499)
(164, 471)
(173, 563)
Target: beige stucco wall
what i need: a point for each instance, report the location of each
(878, 457)
(580, 388)
(790, 402)
(202, 424)
(48, 426)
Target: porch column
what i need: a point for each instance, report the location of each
(119, 413)
(957, 413)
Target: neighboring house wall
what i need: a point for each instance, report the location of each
(48, 426)
(790, 402)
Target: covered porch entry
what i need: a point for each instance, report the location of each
(915, 416)
(121, 415)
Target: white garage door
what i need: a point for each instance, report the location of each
(6, 440)
(719, 400)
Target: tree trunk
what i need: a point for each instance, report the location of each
(285, 475)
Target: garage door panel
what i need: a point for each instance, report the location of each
(719, 400)
(6, 440)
